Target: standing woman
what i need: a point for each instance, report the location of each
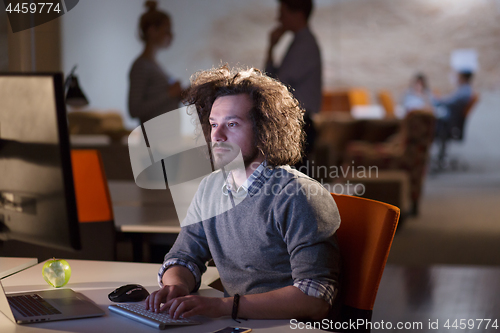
(152, 91)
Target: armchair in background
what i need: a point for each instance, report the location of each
(406, 150)
(335, 101)
(344, 99)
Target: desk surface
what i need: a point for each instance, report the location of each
(406, 294)
(96, 279)
(142, 211)
(10, 266)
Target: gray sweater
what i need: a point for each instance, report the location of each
(282, 232)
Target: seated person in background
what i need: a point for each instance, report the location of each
(418, 96)
(451, 108)
(277, 251)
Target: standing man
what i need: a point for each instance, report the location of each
(301, 66)
(276, 251)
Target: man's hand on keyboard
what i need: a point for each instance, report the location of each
(164, 295)
(193, 305)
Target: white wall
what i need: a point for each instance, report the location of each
(100, 36)
(377, 44)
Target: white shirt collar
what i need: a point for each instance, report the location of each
(229, 183)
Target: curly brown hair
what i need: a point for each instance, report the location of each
(276, 115)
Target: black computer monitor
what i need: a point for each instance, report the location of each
(37, 197)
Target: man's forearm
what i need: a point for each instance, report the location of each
(285, 303)
(179, 275)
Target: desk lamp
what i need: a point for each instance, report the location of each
(74, 94)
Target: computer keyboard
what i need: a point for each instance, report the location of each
(139, 313)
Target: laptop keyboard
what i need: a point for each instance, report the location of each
(32, 305)
(162, 317)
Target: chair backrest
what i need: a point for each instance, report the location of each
(387, 102)
(359, 96)
(365, 236)
(473, 100)
(456, 132)
(91, 187)
(95, 210)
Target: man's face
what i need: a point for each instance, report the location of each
(231, 125)
(287, 17)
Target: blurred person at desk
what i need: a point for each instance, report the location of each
(418, 96)
(301, 67)
(152, 92)
(451, 107)
(276, 251)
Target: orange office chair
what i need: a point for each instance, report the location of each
(91, 187)
(359, 96)
(365, 236)
(387, 102)
(93, 201)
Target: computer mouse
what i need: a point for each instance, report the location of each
(129, 293)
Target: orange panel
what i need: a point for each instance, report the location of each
(91, 187)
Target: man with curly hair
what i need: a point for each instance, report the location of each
(276, 251)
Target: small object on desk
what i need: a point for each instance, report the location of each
(139, 313)
(56, 272)
(129, 293)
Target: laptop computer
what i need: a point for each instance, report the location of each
(46, 305)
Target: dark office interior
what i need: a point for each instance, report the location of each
(448, 239)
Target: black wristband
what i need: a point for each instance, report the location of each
(236, 303)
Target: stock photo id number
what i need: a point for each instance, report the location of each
(29, 14)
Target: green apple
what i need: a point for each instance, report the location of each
(56, 272)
